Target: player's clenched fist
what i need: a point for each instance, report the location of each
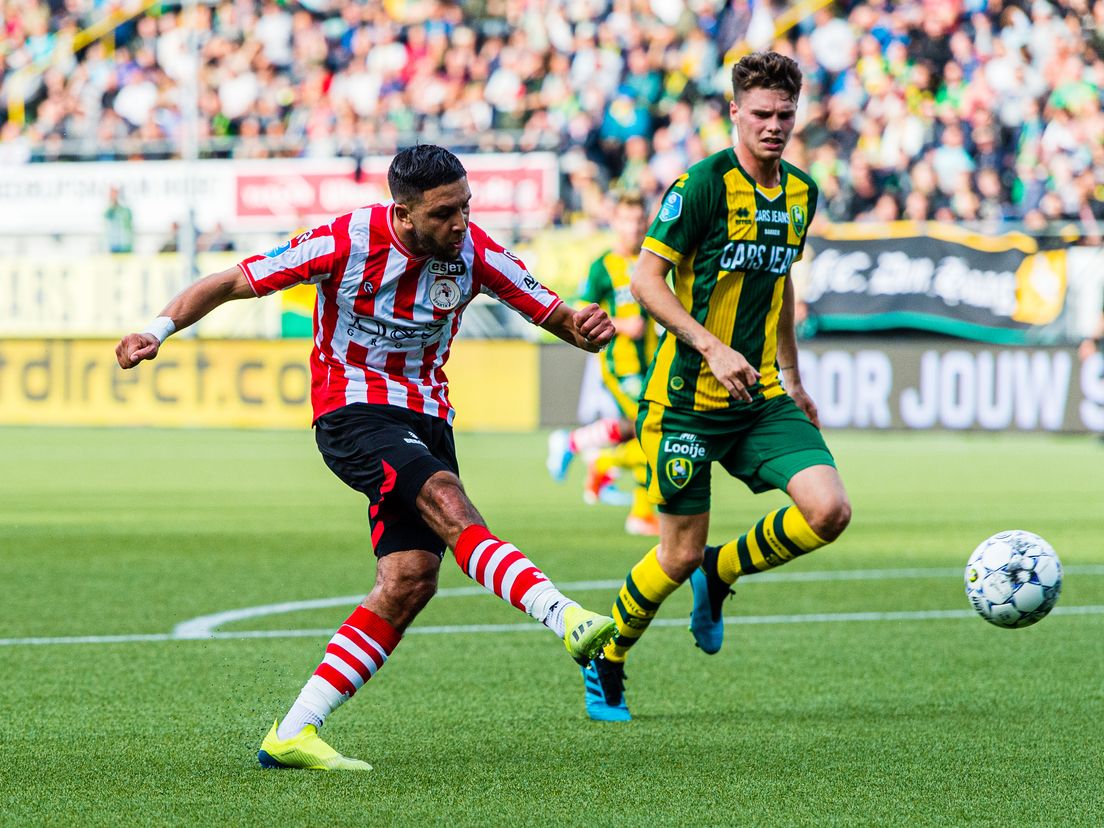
(594, 327)
(135, 347)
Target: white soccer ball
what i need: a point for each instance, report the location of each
(1013, 579)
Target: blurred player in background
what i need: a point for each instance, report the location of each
(724, 385)
(623, 365)
(393, 280)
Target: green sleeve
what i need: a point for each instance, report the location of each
(814, 197)
(597, 287)
(683, 218)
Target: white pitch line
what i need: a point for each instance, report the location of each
(87, 639)
(205, 626)
(808, 618)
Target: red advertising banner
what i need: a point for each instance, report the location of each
(509, 190)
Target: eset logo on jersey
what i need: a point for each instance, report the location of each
(440, 268)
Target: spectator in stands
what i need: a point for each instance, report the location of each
(950, 159)
(917, 207)
(172, 242)
(119, 221)
(861, 190)
(924, 182)
(993, 208)
(884, 209)
(216, 241)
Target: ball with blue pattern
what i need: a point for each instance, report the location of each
(1013, 579)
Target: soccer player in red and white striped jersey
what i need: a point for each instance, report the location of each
(393, 281)
(386, 314)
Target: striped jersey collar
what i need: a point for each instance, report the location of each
(783, 174)
(395, 240)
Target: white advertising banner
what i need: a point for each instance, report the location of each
(508, 190)
(910, 384)
(956, 386)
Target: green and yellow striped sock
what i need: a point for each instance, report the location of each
(779, 537)
(644, 589)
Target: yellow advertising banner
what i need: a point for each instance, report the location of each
(561, 258)
(106, 295)
(493, 384)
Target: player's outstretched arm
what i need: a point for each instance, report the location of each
(186, 308)
(649, 287)
(589, 328)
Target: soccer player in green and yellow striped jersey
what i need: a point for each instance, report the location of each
(623, 364)
(625, 360)
(724, 385)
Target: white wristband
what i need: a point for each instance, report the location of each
(161, 328)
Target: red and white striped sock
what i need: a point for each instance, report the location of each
(358, 649)
(597, 435)
(504, 570)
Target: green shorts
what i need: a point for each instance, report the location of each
(764, 444)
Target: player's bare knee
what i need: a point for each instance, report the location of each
(830, 518)
(679, 561)
(445, 506)
(692, 557)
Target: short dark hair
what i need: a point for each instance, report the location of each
(766, 70)
(419, 168)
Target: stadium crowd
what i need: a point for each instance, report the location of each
(965, 110)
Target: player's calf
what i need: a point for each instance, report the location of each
(502, 568)
(405, 583)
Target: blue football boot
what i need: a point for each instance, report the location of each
(604, 682)
(706, 624)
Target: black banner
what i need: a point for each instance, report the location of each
(933, 277)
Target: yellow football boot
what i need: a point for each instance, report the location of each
(586, 633)
(306, 750)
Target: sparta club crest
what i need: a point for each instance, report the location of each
(444, 294)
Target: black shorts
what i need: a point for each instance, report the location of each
(388, 453)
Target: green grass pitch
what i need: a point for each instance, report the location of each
(922, 721)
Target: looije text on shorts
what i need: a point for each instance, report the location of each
(686, 448)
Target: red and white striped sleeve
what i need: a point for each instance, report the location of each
(306, 258)
(505, 277)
